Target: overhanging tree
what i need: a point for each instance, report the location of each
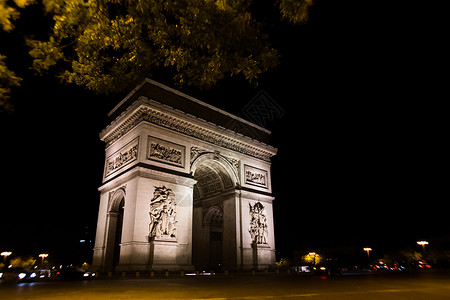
(108, 46)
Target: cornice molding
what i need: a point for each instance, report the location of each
(145, 110)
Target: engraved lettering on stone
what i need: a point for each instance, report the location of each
(123, 157)
(163, 211)
(258, 224)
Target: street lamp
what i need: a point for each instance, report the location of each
(5, 254)
(43, 256)
(423, 243)
(368, 253)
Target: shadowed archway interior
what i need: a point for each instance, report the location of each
(213, 183)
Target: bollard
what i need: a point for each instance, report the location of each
(253, 272)
(152, 274)
(138, 274)
(109, 274)
(167, 274)
(277, 271)
(266, 271)
(182, 273)
(124, 274)
(212, 272)
(226, 273)
(196, 273)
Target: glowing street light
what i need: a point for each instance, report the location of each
(313, 254)
(5, 254)
(368, 252)
(423, 244)
(43, 256)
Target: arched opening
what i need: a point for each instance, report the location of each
(212, 192)
(114, 233)
(118, 234)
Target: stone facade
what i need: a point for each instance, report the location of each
(183, 191)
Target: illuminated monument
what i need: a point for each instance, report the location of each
(185, 186)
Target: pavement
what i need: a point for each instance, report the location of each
(426, 285)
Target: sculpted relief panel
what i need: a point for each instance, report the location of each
(123, 157)
(255, 176)
(163, 212)
(258, 224)
(166, 152)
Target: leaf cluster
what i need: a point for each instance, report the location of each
(109, 46)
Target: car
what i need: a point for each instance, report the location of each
(327, 269)
(73, 273)
(17, 275)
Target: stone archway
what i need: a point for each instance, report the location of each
(213, 222)
(114, 229)
(194, 176)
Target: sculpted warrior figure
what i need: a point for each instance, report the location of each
(162, 213)
(258, 224)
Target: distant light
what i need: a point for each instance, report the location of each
(33, 275)
(82, 241)
(422, 243)
(323, 268)
(86, 274)
(367, 249)
(22, 275)
(312, 253)
(6, 253)
(43, 255)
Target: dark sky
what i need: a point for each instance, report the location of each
(362, 160)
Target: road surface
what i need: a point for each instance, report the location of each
(432, 285)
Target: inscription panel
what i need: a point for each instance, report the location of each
(123, 157)
(166, 152)
(255, 176)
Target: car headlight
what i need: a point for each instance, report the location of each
(22, 275)
(1, 275)
(86, 274)
(33, 275)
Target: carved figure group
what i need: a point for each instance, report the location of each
(163, 213)
(258, 224)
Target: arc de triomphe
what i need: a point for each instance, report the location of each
(185, 185)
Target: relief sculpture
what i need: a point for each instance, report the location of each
(163, 213)
(258, 224)
(165, 152)
(123, 157)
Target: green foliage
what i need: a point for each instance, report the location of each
(109, 46)
(23, 262)
(8, 80)
(295, 11)
(312, 259)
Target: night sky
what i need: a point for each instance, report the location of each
(362, 136)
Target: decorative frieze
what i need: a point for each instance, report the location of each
(123, 157)
(166, 152)
(147, 114)
(255, 176)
